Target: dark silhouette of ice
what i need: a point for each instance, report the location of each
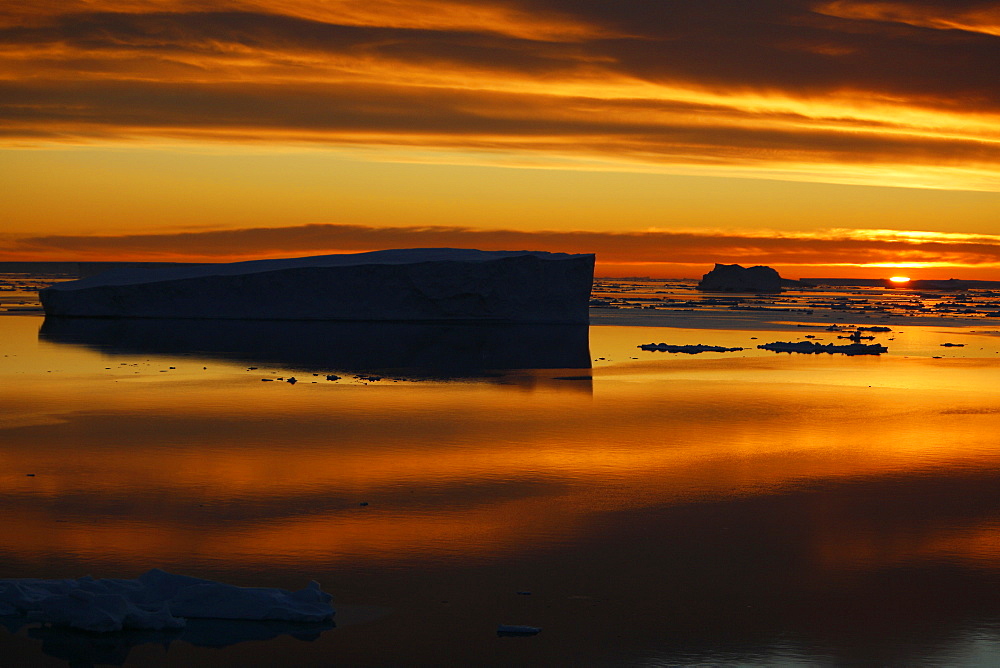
(692, 349)
(813, 347)
(417, 284)
(735, 278)
(517, 630)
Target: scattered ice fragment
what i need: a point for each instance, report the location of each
(517, 630)
(813, 347)
(693, 349)
(952, 345)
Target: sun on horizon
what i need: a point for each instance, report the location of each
(899, 279)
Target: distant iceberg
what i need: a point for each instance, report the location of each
(736, 278)
(417, 284)
(156, 600)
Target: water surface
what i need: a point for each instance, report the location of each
(641, 508)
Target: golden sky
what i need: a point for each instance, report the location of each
(822, 137)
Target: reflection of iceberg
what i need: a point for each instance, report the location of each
(416, 284)
(415, 348)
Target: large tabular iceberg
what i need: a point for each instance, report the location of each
(418, 284)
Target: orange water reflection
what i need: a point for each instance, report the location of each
(211, 465)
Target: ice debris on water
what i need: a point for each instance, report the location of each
(693, 349)
(813, 347)
(156, 600)
(517, 630)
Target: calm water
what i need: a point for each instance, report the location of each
(643, 509)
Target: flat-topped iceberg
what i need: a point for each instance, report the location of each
(156, 600)
(416, 284)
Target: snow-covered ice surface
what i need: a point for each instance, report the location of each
(156, 600)
(417, 284)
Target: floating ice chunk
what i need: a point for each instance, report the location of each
(156, 600)
(214, 600)
(692, 349)
(813, 347)
(517, 630)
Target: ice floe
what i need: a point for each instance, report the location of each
(813, 347)
(156, 600)
(692, 349)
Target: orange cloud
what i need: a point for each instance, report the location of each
(794, 90)
(657, 249)
(969, 16)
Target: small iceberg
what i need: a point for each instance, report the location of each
(517, 630)
(692, 349)
(813, 347)
(156, 600)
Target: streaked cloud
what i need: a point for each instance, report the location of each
(979, 16)
(830, 248)
(891, 93)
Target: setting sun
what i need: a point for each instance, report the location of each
(900, 279)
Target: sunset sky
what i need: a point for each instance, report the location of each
(820, 137)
